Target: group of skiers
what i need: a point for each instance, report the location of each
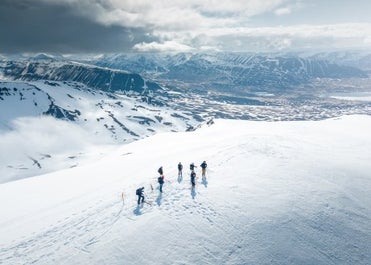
(160, 179)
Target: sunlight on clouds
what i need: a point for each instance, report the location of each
(282, 11)
(164, 14)
(273, 38)
(167, 46)
(178, 25)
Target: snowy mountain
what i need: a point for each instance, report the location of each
(56, 70)
(54, 124)
(274, 193)
(358, 59)
(227, 70)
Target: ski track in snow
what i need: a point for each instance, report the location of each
(74, 231)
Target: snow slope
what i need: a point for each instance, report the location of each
(276, 193)
(47, 126)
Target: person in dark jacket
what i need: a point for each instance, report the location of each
(180, 169)
(192, 167)
(140, 193)
(161, 182)
(160, 171)
(203, 167)
(193, 179)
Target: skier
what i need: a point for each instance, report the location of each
(160, 171)
(193, 179)
(203, 167)
(192, 167)
(180, 168)
(140, 193)
(161, 181)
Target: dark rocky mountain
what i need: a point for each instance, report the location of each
(92, 76)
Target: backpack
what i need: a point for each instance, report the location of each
(138, 192)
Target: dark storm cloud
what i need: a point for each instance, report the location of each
(33, 26)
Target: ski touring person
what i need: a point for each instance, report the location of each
(192, 167)
(203, 167)
(161, 181)
(180, 168)
(161, 171)
(140, 193)
(193, 179)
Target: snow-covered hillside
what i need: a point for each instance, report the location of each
(275, 193)
(45, 125)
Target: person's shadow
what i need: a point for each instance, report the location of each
(137, 210)
(204, 181)
(180, 178)
(159, 199)
(193, 193)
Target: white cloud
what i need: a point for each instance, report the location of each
(178, 25)
(283, 11)
(161, 14)
(167, 46)
(350, 35)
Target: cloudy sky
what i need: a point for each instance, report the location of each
(96, 26)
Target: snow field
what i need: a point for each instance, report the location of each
(276, 193)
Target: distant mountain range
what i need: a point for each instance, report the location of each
(201, 84)
(220, 71)
(229, 70)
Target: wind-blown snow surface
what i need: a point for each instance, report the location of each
(276, 193)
